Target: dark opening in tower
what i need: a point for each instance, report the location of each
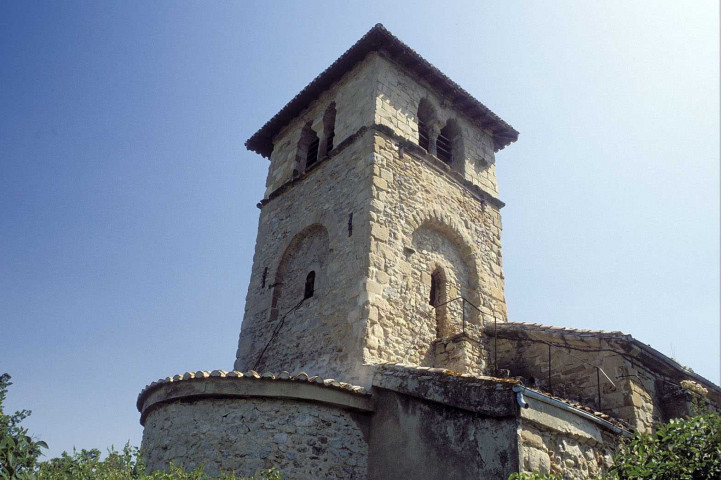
(307, 149)
(309, 285)
(437, 299)
(443, 145)
(329, 127)
(312, 156)
(426, 116)
(435, 288)
(450, 144)
(423, 134)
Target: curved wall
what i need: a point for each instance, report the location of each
(247, 425)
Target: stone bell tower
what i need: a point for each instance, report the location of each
(378, 257)
(379, 233)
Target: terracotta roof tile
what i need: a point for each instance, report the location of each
(250, 375)
(556, 329)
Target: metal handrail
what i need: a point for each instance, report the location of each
(465, 301)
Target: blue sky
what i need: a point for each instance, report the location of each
(127, 199)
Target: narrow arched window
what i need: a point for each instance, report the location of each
(443, 145)
(437, 299)
(309, 285)
(329, 128)
(423, 134)
(435, 288)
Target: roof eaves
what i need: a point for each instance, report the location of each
(375, 39)
(251, 375)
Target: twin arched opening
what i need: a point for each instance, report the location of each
(312, 146)
(444, 141)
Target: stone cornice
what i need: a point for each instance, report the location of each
(485, 395)
(407, 147)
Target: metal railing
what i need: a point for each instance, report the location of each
(464, 301)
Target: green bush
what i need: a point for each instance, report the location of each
(683, 449)
(533, 476)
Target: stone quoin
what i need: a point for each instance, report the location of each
(375, 341)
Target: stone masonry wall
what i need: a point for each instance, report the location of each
(573, 372)
(459, 353)
(396, 106)
(377, 91)
(546, 450)
(560, 441)
(642, 405)
(303, 440)
(422, 218)
(323, 335)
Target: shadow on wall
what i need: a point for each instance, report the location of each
(298, 290)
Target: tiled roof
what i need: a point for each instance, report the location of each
(560, 330)
(378, 38)
(251, 375)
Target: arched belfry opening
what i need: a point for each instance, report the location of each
(307, 149)
(450, 144)
(427, 118)
(328, 131)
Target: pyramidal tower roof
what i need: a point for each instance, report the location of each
(379, 38)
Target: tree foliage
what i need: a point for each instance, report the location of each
(18, 451)
(124, 465)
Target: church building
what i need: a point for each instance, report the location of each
(375, 342)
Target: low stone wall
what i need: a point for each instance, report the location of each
(554, 440)
(459, 353)
(307, 431)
